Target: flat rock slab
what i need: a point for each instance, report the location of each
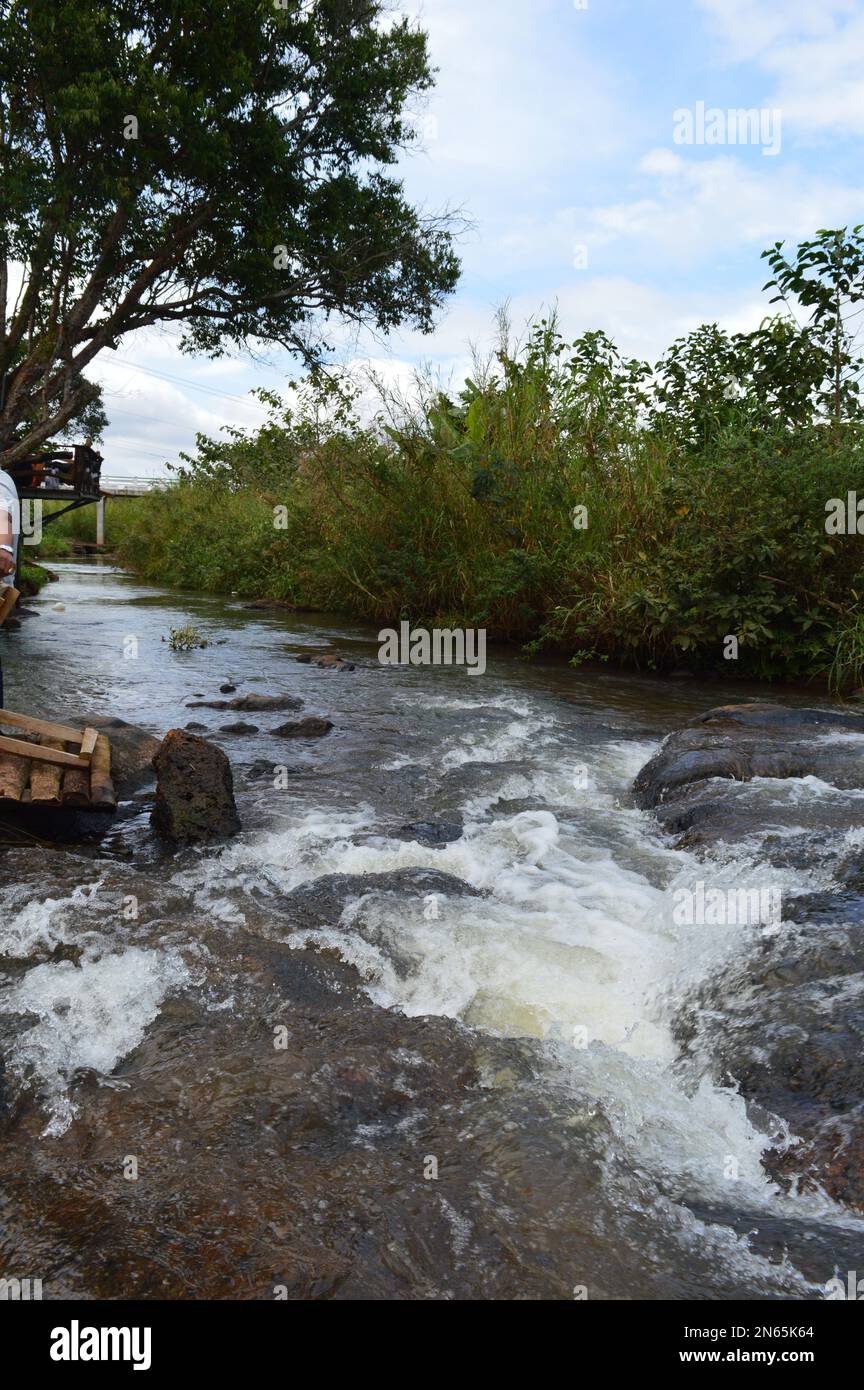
(194, 790)
(740, 742)
(251, 704)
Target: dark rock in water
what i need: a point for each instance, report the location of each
(740, 742)
(263, 768)
(227, 688)
(330, 661)
(313, 727)
(252, 704)
(787, 1021)
(239, 728)
(194, 728)
(430, 832)
(195, 790)
(321, 902)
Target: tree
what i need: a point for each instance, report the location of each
(826, 276)
(221, 166)
(711, 380)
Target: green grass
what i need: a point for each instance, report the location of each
(60, 535)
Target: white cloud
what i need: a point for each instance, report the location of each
(813, 50)
(700, 207)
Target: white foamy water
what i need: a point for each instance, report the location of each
(570, 942)
(90, 1015)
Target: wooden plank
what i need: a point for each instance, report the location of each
(88, 743)
(102, 795)
(45, 778)
(76, 786)
(40, 726)
(14, 776)
(19, 748)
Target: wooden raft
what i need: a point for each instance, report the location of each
(56, 766)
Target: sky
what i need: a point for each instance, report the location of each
(588, 144)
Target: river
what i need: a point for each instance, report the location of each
(594, 1156)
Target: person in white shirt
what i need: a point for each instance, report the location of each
(10, 527)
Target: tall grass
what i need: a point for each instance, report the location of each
(460, 510)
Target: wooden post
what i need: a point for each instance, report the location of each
(102, 796)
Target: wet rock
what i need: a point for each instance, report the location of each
(132, 752)
(329, 662)
(328, 1148)
(740, 742)
(195, 790)
(312, 727)
(264, 769)
(227, 688)
(194, 728)
(239, 728)
(786, 1022)
(430, 832)
(322, 901)
(257, 704)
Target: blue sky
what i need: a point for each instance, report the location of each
(552, 129)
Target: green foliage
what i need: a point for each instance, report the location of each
(224, 167)
(826, 277)
(185, 639)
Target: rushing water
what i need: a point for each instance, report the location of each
(562, 931)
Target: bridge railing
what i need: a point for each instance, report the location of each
(115, 486)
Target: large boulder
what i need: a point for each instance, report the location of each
(195, 790)
(740, 742)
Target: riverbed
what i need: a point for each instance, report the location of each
(462, 925)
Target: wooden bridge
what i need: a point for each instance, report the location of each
(74, 476)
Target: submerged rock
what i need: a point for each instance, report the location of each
(257, 704)
(430, 832)
(239, 728)
(195, 790)
(330, 661)
(313, 727)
